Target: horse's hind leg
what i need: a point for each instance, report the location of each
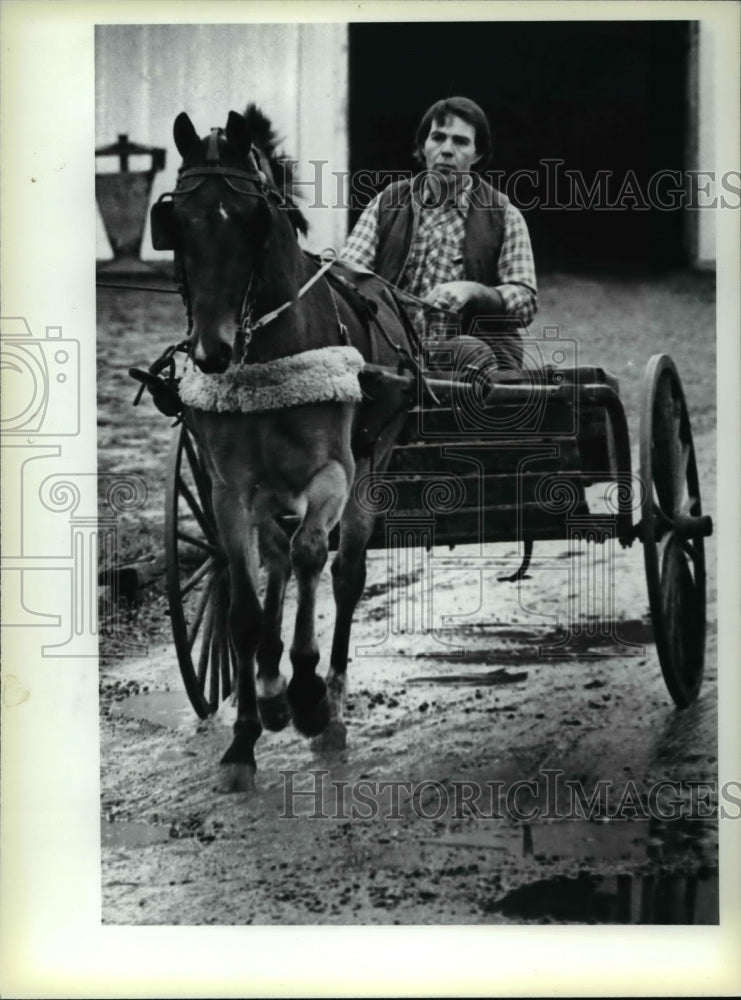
(307, 693)
(237, 769)
(271, 685)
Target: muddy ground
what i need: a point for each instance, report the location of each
(528, 682)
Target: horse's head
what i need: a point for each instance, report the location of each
(224, 213)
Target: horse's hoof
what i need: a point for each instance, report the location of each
(332, 739)
(236, 778)
(275, 713)
(309, 705)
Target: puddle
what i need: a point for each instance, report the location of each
(165, 708)
(686, 893)
(391, 584)
(593, 638)
(490, 678)
(130, 833)
(550, 842)
(630, 629)
(673, 842)
(617, 899)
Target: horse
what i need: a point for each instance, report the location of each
(253, 308)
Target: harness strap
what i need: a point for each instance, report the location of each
(344, 336)
(269, 317)
(407, 296)
(212, 153)
(407, 361)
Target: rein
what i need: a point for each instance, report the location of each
(350, 265)
(269, 317)
(400, 292)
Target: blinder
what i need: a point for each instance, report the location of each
(162, 221)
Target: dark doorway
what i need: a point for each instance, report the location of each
(598, 96)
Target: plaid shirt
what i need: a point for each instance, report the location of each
(436, 253)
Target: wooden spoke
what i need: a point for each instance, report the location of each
(675, 565)
(204, 657)
(215, 673)
(200, 478)
(206, 527)
(184, 536)
(691, 550)
(195, 622)
(195, 578)
(680, 474)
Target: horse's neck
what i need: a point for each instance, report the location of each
(295, 329)
(283, 270)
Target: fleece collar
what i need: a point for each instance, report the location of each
(327, 374)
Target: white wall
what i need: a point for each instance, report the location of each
(701, 144)
(297, 73)
(707, 160)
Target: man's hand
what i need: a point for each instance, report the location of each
(454, 296)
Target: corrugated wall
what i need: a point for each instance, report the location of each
(297, 74)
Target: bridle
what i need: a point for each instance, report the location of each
(189, 181)
(259, 188)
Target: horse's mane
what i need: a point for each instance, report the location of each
(281, 166)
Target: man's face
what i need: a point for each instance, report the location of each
(450, 146)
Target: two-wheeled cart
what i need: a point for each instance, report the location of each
(514, 463)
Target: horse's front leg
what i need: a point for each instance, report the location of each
(237, 769)
(307, 693)
(348, 581)
(271, 685)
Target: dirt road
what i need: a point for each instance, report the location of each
(421, 819)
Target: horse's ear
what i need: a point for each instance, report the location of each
(238, 133)
(185, 135)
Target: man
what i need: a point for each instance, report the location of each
(452, 240)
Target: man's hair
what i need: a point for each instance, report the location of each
(469, 111)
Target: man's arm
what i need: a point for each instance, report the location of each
(518, 287)
(360, 246)
(517, 293)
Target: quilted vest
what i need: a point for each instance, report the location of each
(482, 243)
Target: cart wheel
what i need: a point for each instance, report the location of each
(672, 531)
(197, 579)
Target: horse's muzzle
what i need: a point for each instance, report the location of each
(216, 362)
